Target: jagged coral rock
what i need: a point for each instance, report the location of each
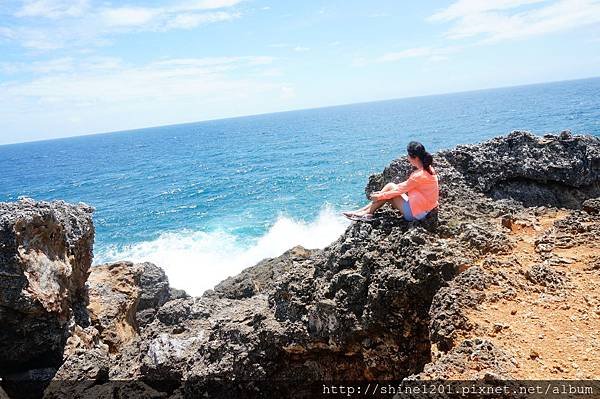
(45, 255)
(592, 205)
(114, 297)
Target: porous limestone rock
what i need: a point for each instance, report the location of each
(45, 256)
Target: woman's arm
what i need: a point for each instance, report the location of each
(402, 188)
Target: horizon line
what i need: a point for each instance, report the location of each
(292, 110)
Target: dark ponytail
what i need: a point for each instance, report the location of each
(416, 149)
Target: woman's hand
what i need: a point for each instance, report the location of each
(375, 195)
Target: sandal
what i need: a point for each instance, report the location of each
(362, 218)
(350, 214)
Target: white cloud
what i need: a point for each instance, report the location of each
(129, 16)
(107, 94)
(206, 4)
(53, 8)
(287, 92)
(360, 61)
(39, 39)
(56, 65)
(101, 63)
(96, 23)
(296, 48)
(73, 83)
(431, 53)
(379, 15)
(7, 33)
(463, 8)
(408, 53)
(61, 65)
(181, 16)
(272, 72)
(190, 21)
(497, 20)
(76, 34)
(215, 63)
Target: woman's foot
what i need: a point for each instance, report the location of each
(349, 214)
(363, 217)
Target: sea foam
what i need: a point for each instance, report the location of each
(196, 260)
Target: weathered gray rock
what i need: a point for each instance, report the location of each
(592, 205)
(154, 287)
(546, 276)
(45, 255)
(450, 303)
(260, 277)
(464, 360)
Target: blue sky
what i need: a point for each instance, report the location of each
(71, 67)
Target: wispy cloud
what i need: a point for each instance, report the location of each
(379, 15)
(190, 21)
(287, 92)
(296, 48)
(69, 82)
(129, 16)
(491, 21)
(53, 8)
(60, 65)
(72, 23)
(93, 88)
(431, 54)
(182, 16)
(415, 52)
(7, 33)
(463, 8)
(496, 20)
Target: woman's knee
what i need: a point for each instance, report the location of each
(389, 186)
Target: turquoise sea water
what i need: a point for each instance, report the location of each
(204, 200)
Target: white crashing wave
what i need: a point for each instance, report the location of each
(196, 261)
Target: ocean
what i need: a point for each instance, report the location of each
(205, 200)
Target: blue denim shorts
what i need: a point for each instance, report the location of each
(408, 213)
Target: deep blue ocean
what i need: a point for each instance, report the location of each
(205, 200)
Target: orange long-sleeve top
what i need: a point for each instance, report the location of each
(422, 189)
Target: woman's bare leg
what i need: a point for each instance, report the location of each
(374, 206)
(397, 203)
(363, 209)
(371, 207)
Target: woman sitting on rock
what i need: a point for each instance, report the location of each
(414, 197)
